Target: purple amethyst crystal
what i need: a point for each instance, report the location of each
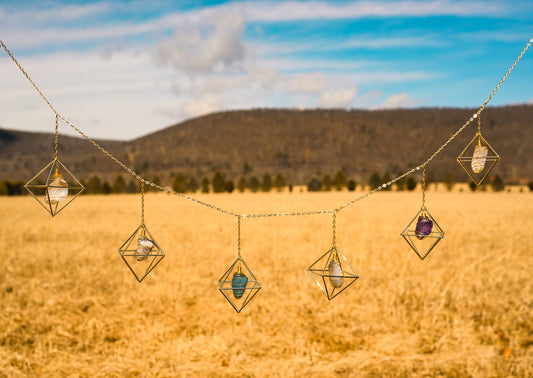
(423, 226)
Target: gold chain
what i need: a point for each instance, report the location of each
(56, 138)
(334, 227)
(261, 215)
(239, 236)
(142, 203)
(424, 187)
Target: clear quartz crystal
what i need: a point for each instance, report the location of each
(479, 158)
(57, 190)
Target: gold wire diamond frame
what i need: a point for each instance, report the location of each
(246, 292)
(44, 187)
(466, 157)
(422, 244)
(141, 265)
(320, 271)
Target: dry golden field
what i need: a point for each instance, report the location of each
(70, 306)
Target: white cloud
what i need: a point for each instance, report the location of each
(295, 10)
(396, 101)
(368, 99)
(54, 14)
(338, 98)
(310, 83)
(207, 46)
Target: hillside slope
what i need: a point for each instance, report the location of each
(298, 144)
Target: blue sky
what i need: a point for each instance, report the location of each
(122, 69)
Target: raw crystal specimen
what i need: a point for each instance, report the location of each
(479, 158)
(335, 273)
(238, 283)
(144, 247)
(424, 226)
(57, 189)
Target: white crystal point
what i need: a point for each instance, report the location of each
(335, 273)
(479, 158)
(57, 190)
(144, 247)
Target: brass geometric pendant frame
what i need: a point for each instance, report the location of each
(238, 284)
(331, 283)
(52, 186)
(422, 244)
(141, 264)
(466, 157)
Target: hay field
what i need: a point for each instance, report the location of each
(70, 306)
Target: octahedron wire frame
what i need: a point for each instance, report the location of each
(238, 294)
(141, 265)
(320, 271)
(422, 244)
(44, 187)
(467, 156)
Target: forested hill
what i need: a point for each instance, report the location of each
(297, 144)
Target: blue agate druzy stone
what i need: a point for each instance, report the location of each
(238, 284)
(423, 227)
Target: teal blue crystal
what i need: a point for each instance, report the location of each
(238, 284)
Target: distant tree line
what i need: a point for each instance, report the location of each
(219, 183)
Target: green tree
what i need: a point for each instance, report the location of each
(497, 184)
(339, 182)
(3, 188)
(326, 183)
(94, 185)
(400, 184)
(119, 185)
(132, 187)
(192, 186)
(106, 188)
(179, 184)
(241, 184)
(279, 182)
(253, 184)
(229, 186)
(411, 184)
(386, 179)
(314, 185)
(266, 184)
(375, 180)
(352, 185)
(218, 182)
(204, 185)
(157, 181)
(450, 181)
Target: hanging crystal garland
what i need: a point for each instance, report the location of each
(52, 186)
(140, 252)
(478, 158)
(332, 271)
(238, 284)
(423, 232)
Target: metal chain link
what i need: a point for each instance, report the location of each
(260, 215)
(424, 187)
(142, 203)
(239, 237)
(56, 138)
(334, 227)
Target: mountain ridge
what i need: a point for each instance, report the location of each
(299, 144)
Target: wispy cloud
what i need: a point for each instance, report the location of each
(316, 10)
(396, 101)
